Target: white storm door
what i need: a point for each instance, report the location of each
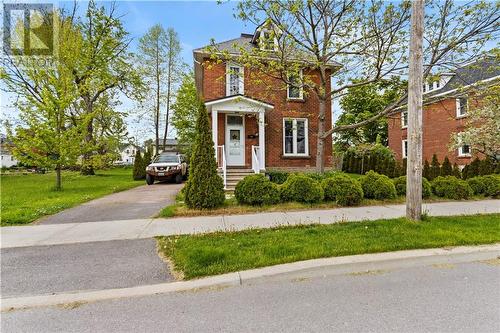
(235, 140)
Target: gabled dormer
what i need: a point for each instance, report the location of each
(266, 36)
(436, 82)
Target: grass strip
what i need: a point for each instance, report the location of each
(27, 197)
(223, 252)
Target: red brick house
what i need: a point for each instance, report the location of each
(255, 130)
(446, 102)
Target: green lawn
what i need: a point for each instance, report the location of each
(26, 198)
(217, 253)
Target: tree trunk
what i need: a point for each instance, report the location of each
(157, 111)
(415, 80)
(320, 145)
(87, 168)
(169, 87)
(58, 178)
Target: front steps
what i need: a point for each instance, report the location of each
(234, 175)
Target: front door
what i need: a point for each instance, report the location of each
(235, 140)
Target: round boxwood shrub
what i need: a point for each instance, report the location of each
(256, 190)
(377, 186)
(485, 185)
(278, 177)
(342, 189)
(400, 185)
(301, 188)
(451, 187)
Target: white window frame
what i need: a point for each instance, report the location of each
(403, 125)
(301, 89)
(458, 107)
(404, 147)
(241, 81)
(461, 149)
(294, 142)
(262, 41)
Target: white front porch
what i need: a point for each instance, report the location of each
(238, 132)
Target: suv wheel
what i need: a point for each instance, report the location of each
(178, 178)
(150, 179)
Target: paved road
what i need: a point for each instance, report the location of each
(99, 265)
(137, 203)
(462, 298)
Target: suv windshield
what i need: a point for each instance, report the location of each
(166, 159)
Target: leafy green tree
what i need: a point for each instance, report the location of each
(363, 102)
(46, 136)
(161, 66)
(204, 188)
(446, 168)
(139, 171)
(435, 169)
(185, 111)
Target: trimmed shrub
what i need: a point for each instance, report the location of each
(426, 171)
(474, 168)
(278, 177)
(435, 169)
(377, 186)
(451, 187)
(139, 171)
(456, 171)
(446, 168)
(343, 190)
(301, 188)
(400, 185)
(485, 185)
(256, 190)
(204, 188)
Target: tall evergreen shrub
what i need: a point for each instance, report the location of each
(455, 172)
(446, 168)
(435, 169)
(204, 188)
(139, 171)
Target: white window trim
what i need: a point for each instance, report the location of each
(301, 90)
(294, 128)
(241, 87)
(460, 149)
(457, 105)
(262, 42)
(404, 151)
(403, 125)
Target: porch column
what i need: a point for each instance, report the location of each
(214, 131)
(262, 141)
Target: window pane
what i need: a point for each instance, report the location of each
(465, 149)
(463, 106)
(234, 120)
(293, 90)
(301, 137)
(234, 80)
(288, 136)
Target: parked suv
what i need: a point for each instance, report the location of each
(167, 167)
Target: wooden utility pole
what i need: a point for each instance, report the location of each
(415, 84)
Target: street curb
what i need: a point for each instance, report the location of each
(302, 269)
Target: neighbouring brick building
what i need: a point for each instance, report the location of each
(255, 128)
(446, 102)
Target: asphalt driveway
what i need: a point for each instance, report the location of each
(138, 203)
(89, 266)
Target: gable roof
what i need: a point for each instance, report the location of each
(484, 69)
(239, 98)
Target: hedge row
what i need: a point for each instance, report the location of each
(346, 191)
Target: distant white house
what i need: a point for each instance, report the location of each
(7, 159)
(169, 146)
(127, 154)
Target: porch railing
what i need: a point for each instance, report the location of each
(220, 156)
(256, 159)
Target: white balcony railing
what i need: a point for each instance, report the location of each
(256, 159)
(220, 156)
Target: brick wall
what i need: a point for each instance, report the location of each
(439, 123)
(272, 91)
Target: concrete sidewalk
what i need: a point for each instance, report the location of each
(145, 228)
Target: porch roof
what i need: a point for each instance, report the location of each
(237, 103)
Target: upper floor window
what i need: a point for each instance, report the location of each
(295, 137)
(234, 80)
(128, 151)
(404, 146)
(267, 40)
(464, 150)
(404, 119)
(294, 87)
(462, 107)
